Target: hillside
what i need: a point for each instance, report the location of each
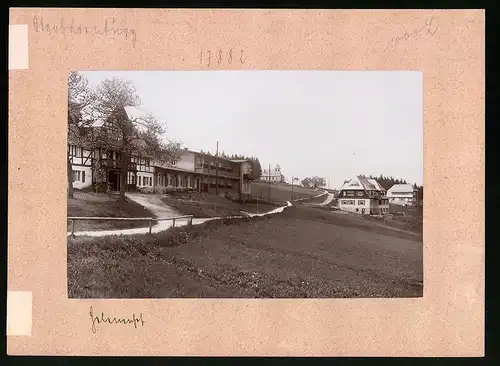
(281, 192)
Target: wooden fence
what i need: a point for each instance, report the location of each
(150, 219)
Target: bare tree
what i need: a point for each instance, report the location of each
(126, 133)
(307, 183)
(314, 182)
(80, 96)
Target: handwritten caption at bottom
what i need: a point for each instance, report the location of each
(108, 29)
(135, 320)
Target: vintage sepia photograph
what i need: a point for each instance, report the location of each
(245, 184)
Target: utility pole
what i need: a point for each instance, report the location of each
(202, 186)
(217, 169)
(269, 171)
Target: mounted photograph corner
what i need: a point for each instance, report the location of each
(245, 184)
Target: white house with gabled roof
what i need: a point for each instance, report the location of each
(402, 194)
(364, 196)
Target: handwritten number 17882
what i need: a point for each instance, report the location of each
(220, 57)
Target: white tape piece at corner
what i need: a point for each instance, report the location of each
(19, 313)
(18, 47)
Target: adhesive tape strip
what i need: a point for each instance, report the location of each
(19, 313)
(18, 47)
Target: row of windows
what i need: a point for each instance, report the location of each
(352, 193)
(77, 152)
(360, 202)
(145, 181)
(79, 176)
(142, 161)
(359, 193)
(186, 182)
(213, 165)
(380, 210)
(348, 202)
(352, 202)
(142, 168)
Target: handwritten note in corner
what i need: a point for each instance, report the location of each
(108, 29)
(429, 28)
(220, 57)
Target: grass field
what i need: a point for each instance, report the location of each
(280, 192)
(86, 204)
(210, 205)
(303, 252)
(404, 218)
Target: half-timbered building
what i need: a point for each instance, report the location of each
(100, 168)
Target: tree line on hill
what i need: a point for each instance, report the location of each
(314, 182)
(388, 182)
(385, 181)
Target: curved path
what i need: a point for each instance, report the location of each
(329, 199)
(161, 210)
(154, 204)
(310, 198)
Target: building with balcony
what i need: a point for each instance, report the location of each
(101, 169)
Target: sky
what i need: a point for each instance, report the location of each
(333, 124)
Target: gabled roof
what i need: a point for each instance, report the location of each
(89, 114)
(362, 183)
(376, 184)
(135, 113)
(90, 117)
(401, 188)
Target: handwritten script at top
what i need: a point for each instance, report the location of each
(108, 28)
(135, 320)
(429, 27)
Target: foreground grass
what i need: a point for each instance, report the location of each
(88, 204)
(289, 255)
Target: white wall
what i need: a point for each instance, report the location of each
(186, 161)
(140, 179)
(358, 205)
(246, 168)
(79, 184)
(83, 159)
(376, 207)
(401, 201)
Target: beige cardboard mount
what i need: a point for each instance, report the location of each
(446, 45)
